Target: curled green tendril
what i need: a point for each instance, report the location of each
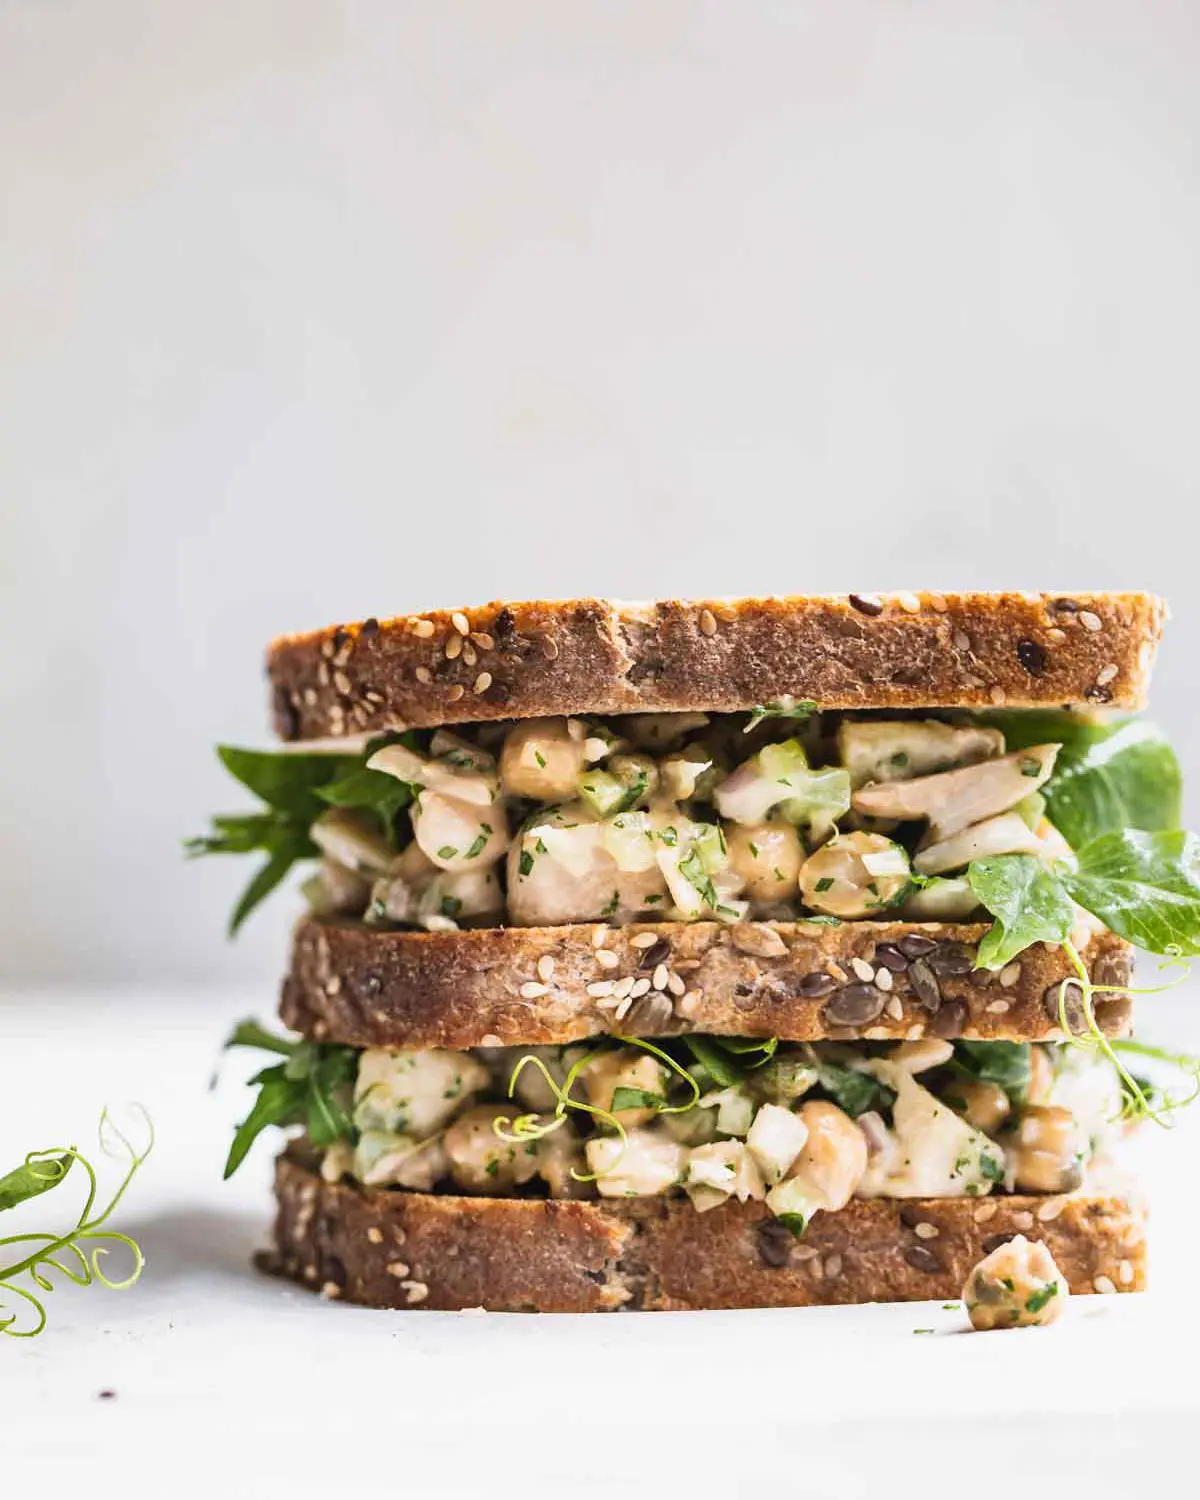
(1135, 1105)
(77, 1255)
(676, 1067)
(562, 1102)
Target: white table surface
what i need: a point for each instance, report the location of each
(227, 1383)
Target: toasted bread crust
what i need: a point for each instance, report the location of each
(387, 1248)
(504, 661)
(371, 988)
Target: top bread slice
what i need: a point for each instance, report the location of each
(855, 651)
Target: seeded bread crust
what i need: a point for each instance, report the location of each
(511, 986)
(387, 1248)
(884, 651)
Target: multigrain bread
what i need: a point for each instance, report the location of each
(399, 1249)
(799, 981)
(856, 651)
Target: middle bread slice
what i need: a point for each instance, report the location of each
(798, 981)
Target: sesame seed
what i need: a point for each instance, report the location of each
(833, 1265)
(971, 681)
(343, 656)
(333, 984)
(1106, 674)
(1023, 1220)
(310, 696)
(490, 1039)
(545, 968)
(939, 603)
(417, 1290)
(726, 612)
(459, 621)
(909, 603)
(862, 969)
(1125, 1272)
(328, 648)
(622, 1010)
(804, 1252)
(1092, 622)
(689, 1003)
(360, 713)
(838, 972)
(375, 1235)
(983, 1212)
(483, 682)
(453, 647)
(455, 692)
(660, 977)
(468, 654)
(644, 940)
(331, 1289)
(1009, 975)
(372, 696)
(962, 641)
(998, 1007)
(997, 694)
(1051, 1209)
(598, 937)
(640, 988)
(1103, 1284)
(600, 989)
(676, 985)
(484, 641)
(606, 1002)
(708, 622)
(883, 978)
(606, 958)
(532, 989)
(342, 683)
(423, 628)
(423, 674)
(622, 987)
(549, 648)
(323, 673)
(926, 1231)
(894, 1009)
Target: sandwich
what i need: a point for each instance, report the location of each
(754, 953)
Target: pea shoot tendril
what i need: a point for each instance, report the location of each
(76, 1254)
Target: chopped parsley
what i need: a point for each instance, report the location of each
(540, 758)
(824, 883)
(480, 843)
(447, 851)
(1030, 765)
(1037, 1300)
(611, 905)
(525, 863)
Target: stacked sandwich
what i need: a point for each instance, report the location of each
(731, 954)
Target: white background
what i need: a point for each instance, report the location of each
(311, 310)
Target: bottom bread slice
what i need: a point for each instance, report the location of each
(389, 1248)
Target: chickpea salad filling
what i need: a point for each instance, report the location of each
(802, 1127)
(781, 813)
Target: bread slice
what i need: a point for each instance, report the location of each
(853, 651)
(386, 1248)
(800, 981)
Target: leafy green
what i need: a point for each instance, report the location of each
(625, 1097)
(1004, 1063)
(296, 788)
(1027, 901)
(721, 1067)
(76, 1253)
(1108, 776)
(37, 1174)
(796, 1224)
(313, 1087)
(1037, 1300)
(851, 1090)
(780, 708)
(1144, 886)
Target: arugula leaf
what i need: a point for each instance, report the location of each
(1143, 886)
(313, 1086)
(279, 1102)
(631, 1098)
(1005, 1063)
(720, 1066)
(375, 790)
(32, 1178)
(265, 879)
(780, 708)
(1108, 776)
(853, 1091)
(285, 779)
(1028, 902)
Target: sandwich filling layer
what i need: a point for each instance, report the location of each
(778, 814)
(804, 1128)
